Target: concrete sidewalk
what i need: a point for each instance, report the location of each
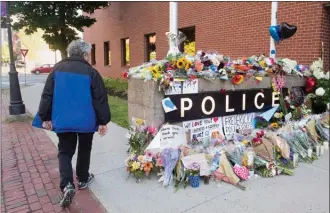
(306, 191)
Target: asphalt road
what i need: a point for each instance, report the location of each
(30, 78)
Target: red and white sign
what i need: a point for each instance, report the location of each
(24, 52)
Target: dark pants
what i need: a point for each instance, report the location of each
(66, 149)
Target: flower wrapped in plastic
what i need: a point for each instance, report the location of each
(175, 40)
(170, 158)
(322, 131)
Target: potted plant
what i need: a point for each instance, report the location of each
(194, 175)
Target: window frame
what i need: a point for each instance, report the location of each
(146, 48)
(107, 53)
(93, 55)
(125, 63)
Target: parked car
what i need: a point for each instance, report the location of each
(46, 68)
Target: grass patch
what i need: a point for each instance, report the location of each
(116, 87)
(119, 111)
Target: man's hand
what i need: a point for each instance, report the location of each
(47, 125)
(103, 129)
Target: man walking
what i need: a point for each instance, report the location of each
(74, 104)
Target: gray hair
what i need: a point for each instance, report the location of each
(79, 48)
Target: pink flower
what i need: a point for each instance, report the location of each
(152, 130)
(149, 154)
(199, 66)
(160, 162)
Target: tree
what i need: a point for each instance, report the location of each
(5, 53)
(58, 20)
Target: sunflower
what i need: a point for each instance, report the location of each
(274, 125)
(237, 79)
(155, 71)
(188, 65)
(181, 63)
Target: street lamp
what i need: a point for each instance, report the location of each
(16, 106)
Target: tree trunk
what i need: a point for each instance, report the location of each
(64, 54)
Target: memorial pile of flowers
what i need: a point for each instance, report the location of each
(265, 152)
(212, 66)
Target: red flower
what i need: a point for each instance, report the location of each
(223, 91)
(192, 77)
(125, 75)
(237, 79)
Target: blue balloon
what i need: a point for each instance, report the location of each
(274, 33)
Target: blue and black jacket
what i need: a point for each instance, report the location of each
(74, 98)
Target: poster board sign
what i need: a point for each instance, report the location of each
(216, 104)
(236, 123)
(198, 131)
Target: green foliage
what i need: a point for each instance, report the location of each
(119, 111)
(116, 87)
(58, 20)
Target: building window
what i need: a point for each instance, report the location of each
(93, 58)
(125, 51)
(150, 47)
(107, 53)
(189, 45)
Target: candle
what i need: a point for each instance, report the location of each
(309, 152)
(318, 150)
(322, 150)
(326, 145)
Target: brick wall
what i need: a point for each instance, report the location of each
(235, 29)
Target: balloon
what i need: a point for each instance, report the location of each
(287, 30)
(310, 84)
(274, 32)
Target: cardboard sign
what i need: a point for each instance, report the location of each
(234, 123)
(199, 130)
(216, 104)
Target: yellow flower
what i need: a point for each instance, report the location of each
(245, 142)
(136, 165)
(278, 149)
(181, 63)
(274, 125)
(139, 122)
(155, 71)
(140, 158)
(188, 65)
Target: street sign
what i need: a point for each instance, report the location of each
(24, 52)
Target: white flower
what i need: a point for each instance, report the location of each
(318, 74)
(277, 115)
(319, 91)
(216, 62)
(327, 75)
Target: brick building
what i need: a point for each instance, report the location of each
(127, 32)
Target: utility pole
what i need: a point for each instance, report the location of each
(16, 106)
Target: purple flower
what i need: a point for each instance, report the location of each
(195, 166)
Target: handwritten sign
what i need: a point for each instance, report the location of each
(190, 86)
(200, 130)
(175, 89)
(234, 123)
(171, 136)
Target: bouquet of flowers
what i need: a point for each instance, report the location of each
(322, 132)
(140, 137)
(140, 165)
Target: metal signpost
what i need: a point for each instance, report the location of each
(24, 53)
